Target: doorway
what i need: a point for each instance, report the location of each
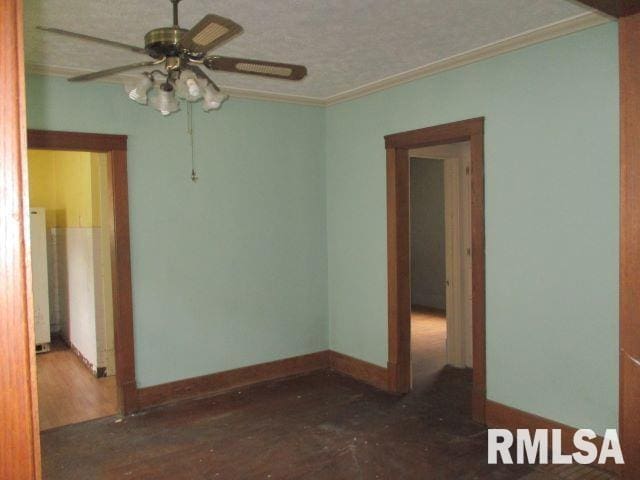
(70, 210)
(398, 148)
(440, 252)
(90, 250)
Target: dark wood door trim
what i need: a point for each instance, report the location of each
(115, 146)
(615, 8)
(19, 431)
(80, 141)
(629, 420)
(399, 246)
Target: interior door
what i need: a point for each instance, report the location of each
(458, 258)
(455, 280)
(465, 255)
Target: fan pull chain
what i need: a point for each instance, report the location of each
(194, 175)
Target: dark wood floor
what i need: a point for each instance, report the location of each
(320, 426)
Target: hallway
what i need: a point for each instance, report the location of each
(428, 345)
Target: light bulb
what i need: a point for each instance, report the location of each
(187, 86)
(138, 90)
(194, 89)
(165, 100)
(212, 98)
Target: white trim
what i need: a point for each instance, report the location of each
(538, 35)
(273, 97)
(531, 37)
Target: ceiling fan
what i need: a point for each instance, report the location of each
(179, 53)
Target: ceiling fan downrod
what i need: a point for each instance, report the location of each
(175, 12)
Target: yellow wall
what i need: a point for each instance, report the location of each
(97, 162)
(42, 191)
(67, 185)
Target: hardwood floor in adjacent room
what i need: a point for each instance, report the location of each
(69, 393)
(321, 426)
(428, 345)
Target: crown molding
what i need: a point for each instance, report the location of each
(526, 39)
(273, 97)
(531, 37)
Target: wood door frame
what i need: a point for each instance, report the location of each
(115, 146)
(20, 432)
(629, 398)
(399, 250)
(615, 8)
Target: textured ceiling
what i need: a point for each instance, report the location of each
(344, 43)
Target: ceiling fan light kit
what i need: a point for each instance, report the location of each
(138, 91)
(181, 52)
(212, 99)
(189, 87)
(165, 100)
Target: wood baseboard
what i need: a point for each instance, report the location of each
(502, 416)
(264, 372)
(360, 370)
(231, 379)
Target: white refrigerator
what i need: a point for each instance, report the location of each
(40, 279)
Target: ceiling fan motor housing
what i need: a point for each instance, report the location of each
(164, 42)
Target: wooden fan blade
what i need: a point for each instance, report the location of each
(209, 32)
(285, 71)
(82, 36)
(112, 71)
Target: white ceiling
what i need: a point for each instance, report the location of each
(345, 44)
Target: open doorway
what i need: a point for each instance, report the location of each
(399, 148)
(71, 214)
(441, 326)
(102, 206)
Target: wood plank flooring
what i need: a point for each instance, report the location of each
(428, 345)
(69, 393)
(321, 426)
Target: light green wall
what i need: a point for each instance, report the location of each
(551, 185)
(230, 271)
(233, 271)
